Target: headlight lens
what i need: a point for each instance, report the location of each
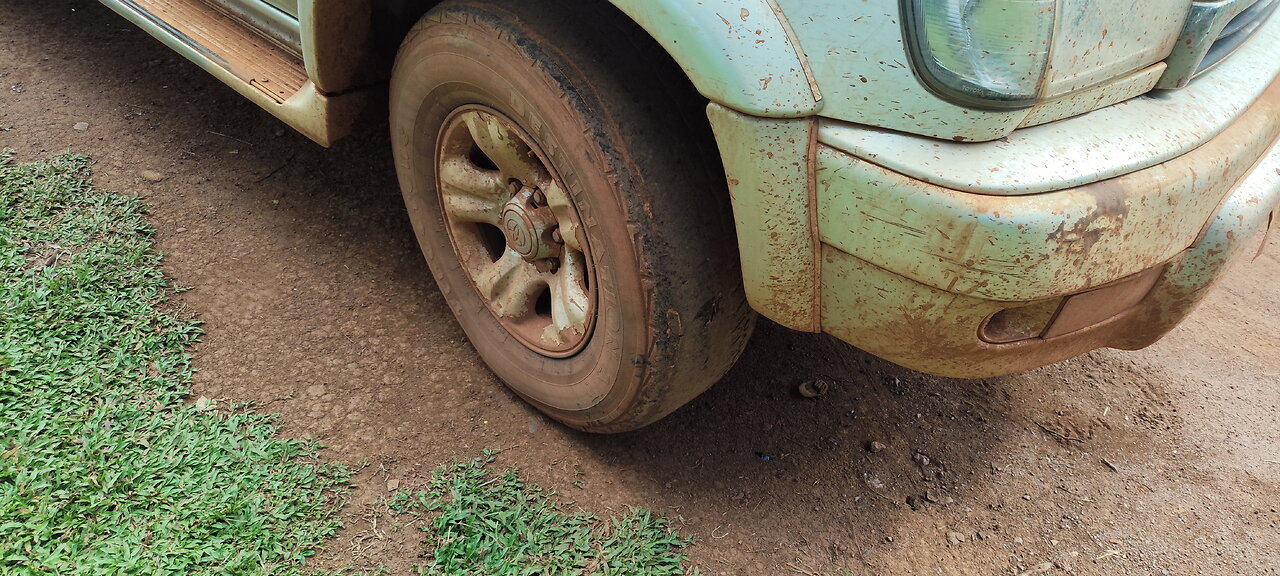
(981, 53)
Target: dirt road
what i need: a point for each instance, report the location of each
(317, 306)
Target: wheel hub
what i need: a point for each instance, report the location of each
(529, 226)
(516, 231)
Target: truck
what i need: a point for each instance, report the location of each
(608, 192)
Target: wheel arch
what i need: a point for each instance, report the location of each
(739, 54)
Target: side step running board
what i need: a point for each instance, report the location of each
(272, 76)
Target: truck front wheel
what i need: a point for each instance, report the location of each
(568, 198)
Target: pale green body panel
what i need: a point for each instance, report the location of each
(737, 53)
(1105, 143)
(856, 52)
(774, 212)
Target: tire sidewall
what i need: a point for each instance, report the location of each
(528, 87)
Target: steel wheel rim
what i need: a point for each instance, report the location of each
(515, 231)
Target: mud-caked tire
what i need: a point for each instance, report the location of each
(566, 192)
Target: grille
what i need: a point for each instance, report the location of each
(1236, 32)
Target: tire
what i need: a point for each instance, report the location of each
(614, 200)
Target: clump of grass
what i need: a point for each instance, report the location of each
(501, 525)
(105, 468)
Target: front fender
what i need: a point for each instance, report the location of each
(742, 54)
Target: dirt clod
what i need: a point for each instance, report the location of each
(814, 388)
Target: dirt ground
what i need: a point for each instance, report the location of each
(317, 305)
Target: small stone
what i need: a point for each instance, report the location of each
(954, 537)
(921, 459)
(873, 481)
(932, 496)
(914, 502)
(814, 388)
(279, 132)
(151, 175)
(393, 484)
(876, 447)
(180, 230)
(1017, 540)
(1026, 497)
(80, 126)
(1041, 568)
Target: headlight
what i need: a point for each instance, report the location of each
(981, 53)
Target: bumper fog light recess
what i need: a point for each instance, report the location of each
(1021, 323)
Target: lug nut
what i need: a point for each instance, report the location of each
(556, 237)
(539, 199)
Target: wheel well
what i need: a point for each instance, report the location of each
(391, 20)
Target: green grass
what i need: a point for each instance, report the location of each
(108, 467)
(105, 467)
(499, 525)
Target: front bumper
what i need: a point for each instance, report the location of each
(970, 285)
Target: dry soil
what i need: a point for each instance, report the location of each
(317, 305)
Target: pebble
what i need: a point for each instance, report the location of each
(393, 484)
(921, 459)
(151, 175)
(876, 447)
(180, 230)
(954, 537)
(932, 496)
(81, 126)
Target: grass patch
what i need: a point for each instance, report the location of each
(500, 525)
(104, 466)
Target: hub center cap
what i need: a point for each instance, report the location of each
(528, 224)
(518, 229)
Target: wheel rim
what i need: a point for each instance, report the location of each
(516, 231)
